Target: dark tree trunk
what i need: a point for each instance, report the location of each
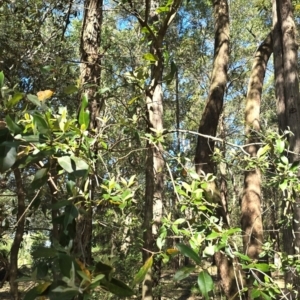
(14, 252)
(288, 108)
(90, 80)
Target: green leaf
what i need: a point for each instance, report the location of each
(60, 204)
(41, 124)
(139, 277)
(188, 252)
(150, 57)
(280, 146)
(262, 267)
(84, 115)
(284, 159)
(12, 126)
(205, 283)
(71, 89)
(71, 213)
(262, 151)
(1, 80)
(73, 165)
(255, 293)
(183, 273)
(265, 296)
(66, 263)
(14, 100)
(40, 178)
(283, 185)
(243, 256)
(44, 252)
(8, 156)
(179, 221)
(117, 287)
(103, 269)
(34, 99)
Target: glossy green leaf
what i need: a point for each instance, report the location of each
(284, 159)
(41, 124)
(280, 146)
(205, 283)
(73, 165)
(188, 252)
(183, 273)
(139, 277)
(12, 126)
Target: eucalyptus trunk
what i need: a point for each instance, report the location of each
(208, 126)
(90, 80)
(287, 88)
(251, 219)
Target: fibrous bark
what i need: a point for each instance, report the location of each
(208, 126)
(288, 107)
(90, 80)
(251, 219)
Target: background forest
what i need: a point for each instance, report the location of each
(149, 149)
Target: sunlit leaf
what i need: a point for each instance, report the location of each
(150, 57)
(1, 79)
(44, 95)
(139, 277)
(172, 251)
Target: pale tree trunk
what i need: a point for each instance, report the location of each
(208, 126)
(251, 219)
(14, 252)
(90, 80)
(287, 68)
(153, 209)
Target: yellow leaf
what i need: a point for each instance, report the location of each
(44, 95)
(172, 251)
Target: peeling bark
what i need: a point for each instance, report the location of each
(251, 219)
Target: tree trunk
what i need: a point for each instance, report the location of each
(251, 220)
(208, 126)
(287, 86)
(153, 208)
(90, 80)
(13, 272)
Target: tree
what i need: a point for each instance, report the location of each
(251, 219)
(288, 101)
(90, 81)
